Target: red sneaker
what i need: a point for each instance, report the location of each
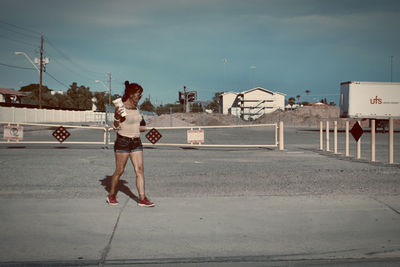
(112, 200)
(145, 203)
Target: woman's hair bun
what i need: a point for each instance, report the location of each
(126, 83)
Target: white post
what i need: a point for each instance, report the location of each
(347, 138)
(327, 136)
(335, 137)
(373, 140)
(390, 140)
(321, 136)
(359, 146)
(281, 141)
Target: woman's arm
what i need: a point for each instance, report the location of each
(117, 118)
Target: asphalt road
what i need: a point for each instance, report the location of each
(215, 207)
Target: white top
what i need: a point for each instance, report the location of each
(130, 127)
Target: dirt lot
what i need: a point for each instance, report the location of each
(304, 116)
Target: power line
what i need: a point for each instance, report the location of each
(63, 84)
(69, 59)
(17, 67)
(18, 41)
(25, 29)
(86, 77)
(24, 34)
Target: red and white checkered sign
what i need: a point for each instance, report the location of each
(61, 134)
(153, 136)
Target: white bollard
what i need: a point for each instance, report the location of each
(327, 135)
(390, 140)
(347, 138)
(373, 140)
(321, 136)
(359, 146)
(281, 140)
(335, 137)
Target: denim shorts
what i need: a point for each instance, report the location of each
(125, 144)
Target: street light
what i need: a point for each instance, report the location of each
(224, 60)
(108, 89)
(28, 58)
(40, 74)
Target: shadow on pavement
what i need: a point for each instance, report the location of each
(106, 182)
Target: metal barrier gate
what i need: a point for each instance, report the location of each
(278, 135)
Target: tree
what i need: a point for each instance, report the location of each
(81, 96)
(101, 100)
(32, 92)
(298, 99)
(292, 101)
(197, 107)
(214, 105)
(147, 105)
(307, 92)
(166, 109)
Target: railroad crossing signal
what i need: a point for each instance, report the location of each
(356, 131)
(61, 134)
(153, 136)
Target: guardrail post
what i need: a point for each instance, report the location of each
(390, 140)
(281, 140)
(106, 136)
(373, 140)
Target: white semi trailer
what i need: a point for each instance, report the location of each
(374, 100)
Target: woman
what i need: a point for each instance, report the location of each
(128, 144)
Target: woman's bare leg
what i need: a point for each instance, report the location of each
(120, 163)
(137, 161)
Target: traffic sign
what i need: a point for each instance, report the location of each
(195, 136)
(356, 131)
(61, 134)
(13, 132)
(153, 136)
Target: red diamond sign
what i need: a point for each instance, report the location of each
(61, 134)
(153, 136)
(356, 131)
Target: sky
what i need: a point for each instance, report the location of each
(210, 46)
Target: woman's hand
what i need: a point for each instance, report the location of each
(117, 115)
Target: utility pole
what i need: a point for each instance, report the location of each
(41, 72)
(391, 68)
(186, 103)
(224, 60)
(109, 86)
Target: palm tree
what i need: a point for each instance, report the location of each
(307, 92)
(292, 101)
(298, 99)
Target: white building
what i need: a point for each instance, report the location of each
(251, 104)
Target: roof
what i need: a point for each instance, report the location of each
(228, 93)
(262, 89)
(318, 104)
(7, 91)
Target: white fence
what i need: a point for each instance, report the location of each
(34, 115)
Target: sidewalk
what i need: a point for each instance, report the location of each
(212, 230)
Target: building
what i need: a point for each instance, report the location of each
(10, 96)
(251, 104)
